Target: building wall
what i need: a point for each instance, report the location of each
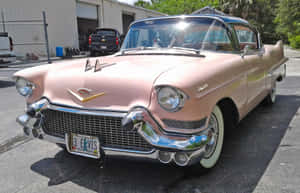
(62, 21)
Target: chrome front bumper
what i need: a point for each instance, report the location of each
(182, 149)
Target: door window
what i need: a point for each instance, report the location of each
(246, 36)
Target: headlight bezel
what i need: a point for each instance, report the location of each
(24, 87)
(181, 96)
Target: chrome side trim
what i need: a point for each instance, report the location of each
(224, 84)
(280, 63)
(278, 70)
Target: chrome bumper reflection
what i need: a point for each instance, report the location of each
(191, 147)
(153, 134)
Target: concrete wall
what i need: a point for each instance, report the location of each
(61, 18)
(62, 21)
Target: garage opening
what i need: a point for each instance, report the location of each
(127, 20)
(87, 22)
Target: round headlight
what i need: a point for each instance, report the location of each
(170, 98)
(24, 87)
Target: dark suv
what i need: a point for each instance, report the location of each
(104, 40)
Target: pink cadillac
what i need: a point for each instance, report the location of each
(177, 84)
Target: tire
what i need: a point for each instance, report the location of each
(213, 152)
(216, 124)
(271, 98)
(62, 146)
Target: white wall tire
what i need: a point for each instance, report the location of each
(271, 98)
(210, 159)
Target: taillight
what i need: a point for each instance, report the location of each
(90, 40)
(117, 41)
(11, 44)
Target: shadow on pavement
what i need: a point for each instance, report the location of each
(248, 149)
(4, 83)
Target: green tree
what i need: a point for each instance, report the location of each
(288, 20)
(260, 13)
(176, 7)
(142, 3)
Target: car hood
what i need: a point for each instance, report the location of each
(123, 82)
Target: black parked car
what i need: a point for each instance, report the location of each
(104, 40)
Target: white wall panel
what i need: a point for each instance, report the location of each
(86, 11)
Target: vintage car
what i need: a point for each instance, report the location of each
(177, 84)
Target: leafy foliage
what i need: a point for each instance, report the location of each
(288, 20)
(176, 7)
(260, 13)
(275, 19)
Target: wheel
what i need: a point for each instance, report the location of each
(271, 98)
(214, 148)
(62, 146)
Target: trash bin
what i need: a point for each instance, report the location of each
(59, 51)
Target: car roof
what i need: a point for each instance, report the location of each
(227, 19)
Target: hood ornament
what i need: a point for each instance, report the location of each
(84, 93)
(99, 64)
(88, 65)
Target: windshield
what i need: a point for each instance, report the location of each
(192, 33)
(106, 32)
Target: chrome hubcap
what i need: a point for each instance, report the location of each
(213, 133)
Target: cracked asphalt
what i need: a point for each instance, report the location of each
(261, 155)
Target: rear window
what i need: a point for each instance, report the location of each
(106, 33)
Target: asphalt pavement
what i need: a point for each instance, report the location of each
(261, 155)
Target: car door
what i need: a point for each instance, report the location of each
(252, 56)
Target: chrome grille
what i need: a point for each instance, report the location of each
(108, 129)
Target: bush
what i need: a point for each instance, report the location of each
(294, 41)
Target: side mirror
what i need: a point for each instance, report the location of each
(245, 51)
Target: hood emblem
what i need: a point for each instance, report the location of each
(84, 93)
(99, 64)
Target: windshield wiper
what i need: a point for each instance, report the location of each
(186, 49)
(137, 49)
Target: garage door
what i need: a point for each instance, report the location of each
(86, 11)
(127, 20)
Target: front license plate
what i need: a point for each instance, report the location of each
(103, 47)
(86, 145)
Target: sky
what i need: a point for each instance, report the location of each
(130, 1)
